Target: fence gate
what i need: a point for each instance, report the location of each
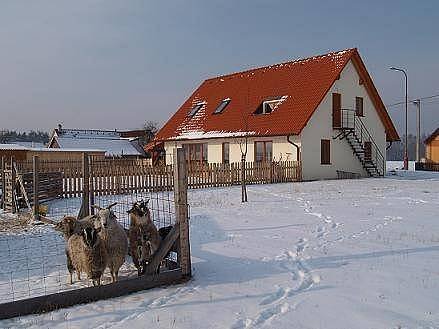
(33, 269)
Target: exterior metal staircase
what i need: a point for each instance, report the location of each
(352, 129)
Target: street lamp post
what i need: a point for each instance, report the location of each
(406, 158)
(417, 102)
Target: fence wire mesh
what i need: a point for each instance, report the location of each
(33, 261)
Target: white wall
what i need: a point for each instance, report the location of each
(281, 148)
(320, 127)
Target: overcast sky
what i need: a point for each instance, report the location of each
(117, 63)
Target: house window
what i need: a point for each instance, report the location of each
(325, 151)
(195, 109)
(336, 110)
(270, 105)
(359, 106)
(226, 153)
(263, 151)
(222, 106)
(195, 153)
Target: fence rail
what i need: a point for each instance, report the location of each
(124, 176)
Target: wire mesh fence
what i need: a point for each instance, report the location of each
(160, 204)
(34, 273)
(33, 262)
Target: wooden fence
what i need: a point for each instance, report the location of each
(218, 174)
(124, 176)
(427, 166)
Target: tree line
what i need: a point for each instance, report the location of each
(9, 136)
(396, 151)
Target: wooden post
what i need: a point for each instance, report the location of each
(85, 207)
(13, 192)
(181, 210)
(91, 180)
(3, 183)
(36, 186)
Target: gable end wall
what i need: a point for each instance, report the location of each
(320, 127)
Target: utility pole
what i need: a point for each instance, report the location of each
(406, 157)
(417, 102)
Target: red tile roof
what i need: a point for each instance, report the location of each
(305, 82)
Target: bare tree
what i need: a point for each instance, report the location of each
(243, 147)
(151, 127)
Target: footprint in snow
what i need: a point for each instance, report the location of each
(268, 314)
(280, 294)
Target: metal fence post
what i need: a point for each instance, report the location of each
(36, 183)
(181, 210)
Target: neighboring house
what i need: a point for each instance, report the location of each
(432, 147)
(324, 111)
(115, 143)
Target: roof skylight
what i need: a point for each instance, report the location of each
(222, 106)
(195, 109)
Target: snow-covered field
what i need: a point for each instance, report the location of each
(328, 254)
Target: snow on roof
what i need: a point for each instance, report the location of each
(112, 147)
(17, 147)
(13, 147)
(29, 144)
(213, 134)
(45, 149)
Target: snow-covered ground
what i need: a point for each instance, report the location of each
(398, 165)
(328, 254)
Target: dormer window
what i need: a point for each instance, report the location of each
(270, 105)
(195, 109)
(222, 106)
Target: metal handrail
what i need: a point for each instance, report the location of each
(362, 133)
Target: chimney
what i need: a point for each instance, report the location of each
(59, 127)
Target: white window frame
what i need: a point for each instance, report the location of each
(264, 103)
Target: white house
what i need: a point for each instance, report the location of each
(323, 111)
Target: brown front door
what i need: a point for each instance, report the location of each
(367, 151)
(336, 110)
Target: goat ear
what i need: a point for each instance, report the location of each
(97, 207)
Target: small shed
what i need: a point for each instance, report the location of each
(13, 150)
(432, 147)
(114, 143)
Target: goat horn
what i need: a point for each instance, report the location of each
(111, 205)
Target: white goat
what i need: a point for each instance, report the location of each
(114, 237)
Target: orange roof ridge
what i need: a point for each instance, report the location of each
(271, 66)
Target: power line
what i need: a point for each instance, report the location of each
(422, 98)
